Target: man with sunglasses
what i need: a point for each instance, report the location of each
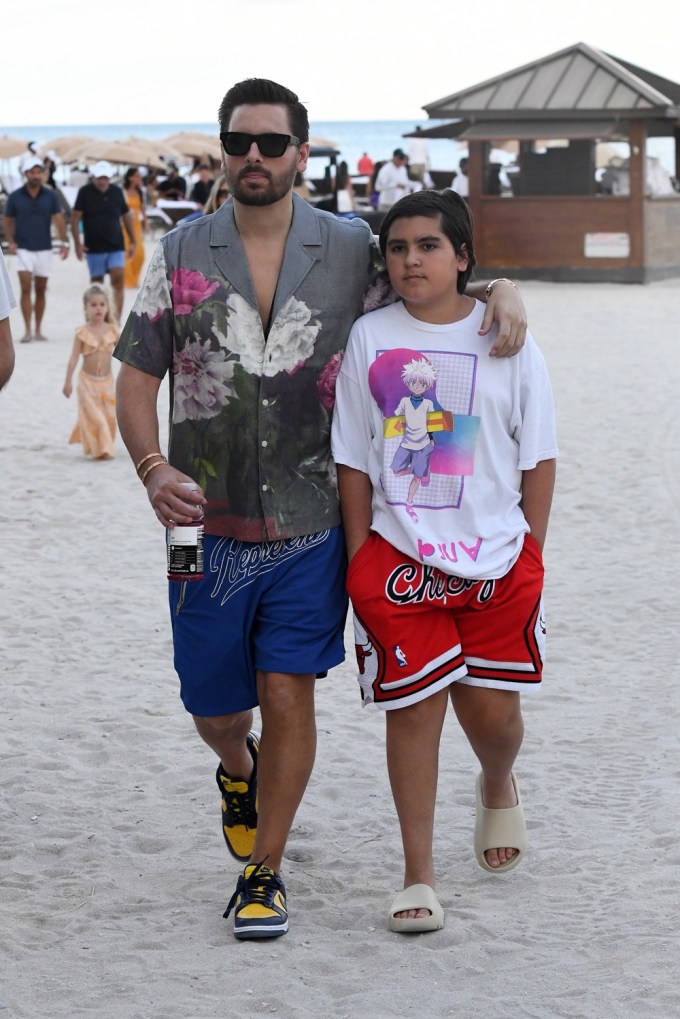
(249, 310)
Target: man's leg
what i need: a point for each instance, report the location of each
(26, 302)
(285, 761)
(40, 291)
(284, 764)
(413, 735)
(492, 722)
(226, 735)
(118, 288)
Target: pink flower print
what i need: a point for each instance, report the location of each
(326, 384)
(379, 294)
(189, 288)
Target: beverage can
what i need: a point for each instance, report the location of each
(185, 548)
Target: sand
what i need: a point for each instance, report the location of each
(113, 871)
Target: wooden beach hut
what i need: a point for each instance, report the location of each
(585, 200)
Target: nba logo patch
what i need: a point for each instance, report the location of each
(399, 655)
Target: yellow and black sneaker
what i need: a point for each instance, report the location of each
(239, 806)
(259, 904)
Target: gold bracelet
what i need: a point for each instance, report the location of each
(158, 463)
(492, 284)
(147, 457)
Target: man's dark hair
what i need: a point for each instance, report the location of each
(454, 217)
(252, 91)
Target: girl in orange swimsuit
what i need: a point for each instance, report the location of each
(94, 342)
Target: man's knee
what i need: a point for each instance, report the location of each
(281, 693)
(222, 724)
(40, 285)
(25, 281)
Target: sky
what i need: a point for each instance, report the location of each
(151, 62)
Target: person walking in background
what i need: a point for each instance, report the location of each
(94, 342)
(344, 191)
(393, 181)
(371, 193)
(200, 192)
(248, 311)
(134, 196)
(174, 187)
(419, 155)
(365, 165)
(101, 207)
(7, 302)
(30, 214)
(447, 595)
(461, 183)
(219, 193)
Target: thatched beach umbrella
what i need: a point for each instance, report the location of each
(64, 143)
(195, 144)
(85, 150)
(11, 146)
(130, 153)
(160, 151)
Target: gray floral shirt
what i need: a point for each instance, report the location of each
(249, 413)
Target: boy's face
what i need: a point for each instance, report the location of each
(423, 267)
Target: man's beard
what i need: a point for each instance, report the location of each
(263, 194)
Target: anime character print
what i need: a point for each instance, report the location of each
(429, 432)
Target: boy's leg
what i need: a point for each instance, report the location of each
(413, 735)
(492, 721)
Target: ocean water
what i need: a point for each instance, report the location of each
(353, 137)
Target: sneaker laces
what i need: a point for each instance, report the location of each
(260, 886)
(240, 802)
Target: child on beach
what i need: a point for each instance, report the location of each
(446, 466)
(94, 341)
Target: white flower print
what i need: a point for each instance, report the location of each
(154, 297)
(245, 335)
(289, 344)
(202, 381)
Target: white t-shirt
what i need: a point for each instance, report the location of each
(7, 298)
(455, 503)
(392, 183)
(461, 184)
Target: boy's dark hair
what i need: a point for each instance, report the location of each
(252, 91)
(454, 217)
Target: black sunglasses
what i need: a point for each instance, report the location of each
(237, 143)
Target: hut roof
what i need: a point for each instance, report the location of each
(577, 83)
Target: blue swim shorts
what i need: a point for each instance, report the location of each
(101, 262)
(275, 606)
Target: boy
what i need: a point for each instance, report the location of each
(445, 524)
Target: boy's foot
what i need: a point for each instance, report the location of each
(39, 336)
(414, 910)
(239, 806)
(26, 339)
(500, 832)
(259, 904)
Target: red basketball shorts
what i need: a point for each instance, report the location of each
(417, 630)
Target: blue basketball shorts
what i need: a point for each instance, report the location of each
(275, 606)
